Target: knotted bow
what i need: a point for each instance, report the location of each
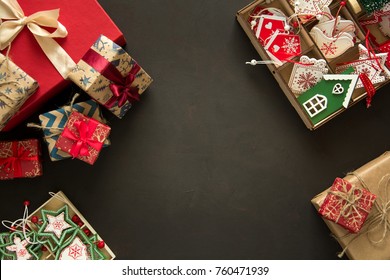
(349, 200)
(124, 91)
(120, 86)
(82, 138)
(15, 22)
(14, 162)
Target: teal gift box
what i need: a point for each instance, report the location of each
(53, 123)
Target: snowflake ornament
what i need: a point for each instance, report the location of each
(56, 226)
(306, 74)
(371, 64)
(77, 250)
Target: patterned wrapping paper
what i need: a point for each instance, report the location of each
(53, 123)
(372, 242)
(347, 205)
(15, 88)
(83, 137)
(20, 159)
(97, 85)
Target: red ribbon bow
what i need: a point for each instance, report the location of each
(124, 91)
(14, 162)
(83, 138)
(120, 86)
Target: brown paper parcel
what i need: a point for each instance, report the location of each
(373, 241)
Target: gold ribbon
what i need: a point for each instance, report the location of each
(380, 220)
(16, 21)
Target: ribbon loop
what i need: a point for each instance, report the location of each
(82, 138)
(120, 86)
(16, 21)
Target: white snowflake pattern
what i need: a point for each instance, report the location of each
(290, 45)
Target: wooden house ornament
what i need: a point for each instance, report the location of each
(331, 94)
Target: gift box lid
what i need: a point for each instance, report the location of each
(85, 21)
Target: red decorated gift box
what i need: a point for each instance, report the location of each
(83, 137)
(84, 20)
(347, 205)
(20, 159)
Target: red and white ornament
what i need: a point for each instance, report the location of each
(306, 74)
(77, 250)
(20, 248)
(56, 224)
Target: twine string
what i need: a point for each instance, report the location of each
(55, 131)
(378, 220)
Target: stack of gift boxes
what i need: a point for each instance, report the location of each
(327, 55)
(104, 71)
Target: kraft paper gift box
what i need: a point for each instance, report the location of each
(84, 20)
(72, 237)
(15, 88)
(83, 137)
(53, 123)
(20, 159)
(372, 242)
(110, 76)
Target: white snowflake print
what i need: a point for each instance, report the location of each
(329, 49)
(290, 45)
(306, 80)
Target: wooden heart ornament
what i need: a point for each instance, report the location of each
(284, 46)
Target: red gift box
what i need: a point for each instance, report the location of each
(347, 205)
(85, 21)
(20, 159)
(83, 137)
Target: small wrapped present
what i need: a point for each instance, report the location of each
(56, 230)
(53, 123)
(83, 137)
(373, 240)
(110, 76)
(15, 88)
(20, 159)
(347, 205)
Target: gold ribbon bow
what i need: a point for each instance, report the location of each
(15, 21)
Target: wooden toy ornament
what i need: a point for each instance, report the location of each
(331, 94)
(306, 74)
(370, 64)
(307, 9)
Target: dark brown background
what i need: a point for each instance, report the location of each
(214, 163)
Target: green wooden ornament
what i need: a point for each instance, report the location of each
(329, 95)
(56, 227)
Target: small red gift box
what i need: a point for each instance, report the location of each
(347, 205)
(84, 20)
(20, 159)
(83, 137)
